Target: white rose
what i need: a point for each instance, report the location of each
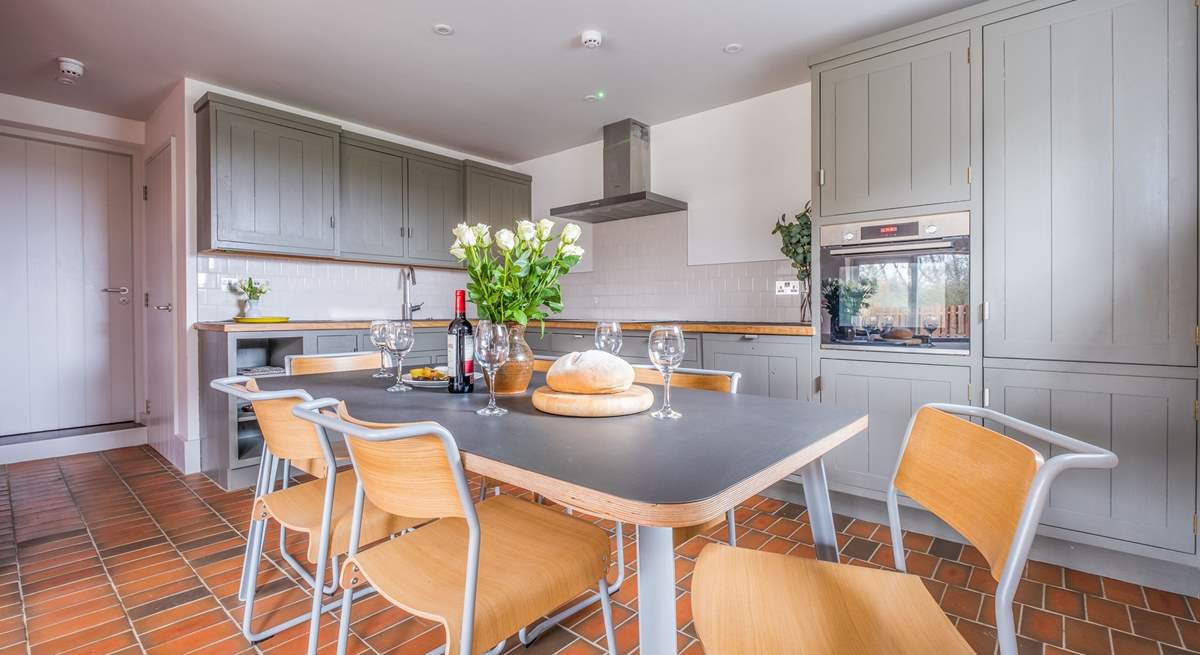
(505, 240)
(526, 230)
(572, 250)
(543, 228)
(458, 251)
(481, 233)
(570, 233)
(465, 234)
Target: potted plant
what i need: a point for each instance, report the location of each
(844, 299)
(797, 246)
(514, 279)
(252, 293)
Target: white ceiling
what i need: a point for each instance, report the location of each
(509, 84)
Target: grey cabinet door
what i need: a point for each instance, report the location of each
(1150, 497)
(895, 129)
(778, 367)
(328, 344)
(373, 204)
(275, 186)
(435, 206)
(1090, 183)
(889, 393)
(495, 200)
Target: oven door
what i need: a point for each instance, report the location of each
(909, 295)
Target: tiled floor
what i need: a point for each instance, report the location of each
(117, 553)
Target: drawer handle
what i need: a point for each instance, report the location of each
(749, 337)
(576, 336)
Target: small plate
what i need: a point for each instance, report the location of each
(432, 384)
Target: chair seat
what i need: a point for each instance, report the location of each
(532, 559)
(747, 601)
(299, 508)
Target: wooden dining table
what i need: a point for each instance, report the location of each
(657, 475)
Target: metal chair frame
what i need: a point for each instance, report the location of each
(268, 470)
(311, 411)
(1080, 455)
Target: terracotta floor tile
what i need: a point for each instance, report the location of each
(1152, 625)
(1127, 644)
(1124, 592)
(1084, 582)
(1106, 612)
(1167, 603)
(961, 602)
(1042, 626)
(1087, 638)
(1064, 601)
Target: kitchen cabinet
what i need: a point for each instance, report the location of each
(266, 181)
(1090, 169)
(634, 344)
(894, 130)
(775, 366)
(328, 344)
(496, 196)
(1150, 497)
(435, 207)
(373, 204)
(890, 393)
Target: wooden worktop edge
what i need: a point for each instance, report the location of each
(714, 327)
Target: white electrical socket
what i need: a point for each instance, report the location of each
(787, 287)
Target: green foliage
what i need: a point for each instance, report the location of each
(251, 289)
(514, 276)
(844, 299)
(797, 241)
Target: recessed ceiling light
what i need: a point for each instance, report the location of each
(442, 29)
(595, 97)
(732, 48)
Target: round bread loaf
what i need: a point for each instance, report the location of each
(898, 333)
(590, 372)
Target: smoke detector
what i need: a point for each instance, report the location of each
(70, 71)
(591, 39)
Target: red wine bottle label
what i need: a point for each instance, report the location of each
(468, 355)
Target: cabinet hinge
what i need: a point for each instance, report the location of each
(1194, 518)
(1196, 334)
(146, 299)
(1196, 410)
(821, 173)
(969, 49)
(987, 397)
(147, 405)
(145, 193)
(331, 221)
(817, 384)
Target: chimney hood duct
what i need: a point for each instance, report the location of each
(626, 180)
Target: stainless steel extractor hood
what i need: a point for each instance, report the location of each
(626, 180)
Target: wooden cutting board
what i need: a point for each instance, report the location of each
(635, 399)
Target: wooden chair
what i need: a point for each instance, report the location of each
(530, 559)
(320, 508)
(987, 486)
(331, 363)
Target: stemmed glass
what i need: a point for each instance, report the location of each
(931, 324)
(491, 351)
(608, 336)
(889, 322)
(398, 337)
(379, 340)
(666, 353)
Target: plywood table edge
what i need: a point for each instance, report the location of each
(717, 328)
(676, 515)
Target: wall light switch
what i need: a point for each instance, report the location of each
(787, 287)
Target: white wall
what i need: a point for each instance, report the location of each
(739, 167)
(70, 121)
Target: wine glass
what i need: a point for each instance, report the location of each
(491, 351)
(872, 324)
(666, 353)
(932, 322)
(398, 337)
(889, 322)
(608, 336)
(379, 340)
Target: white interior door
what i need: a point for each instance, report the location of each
(66, 274)
(160, 299)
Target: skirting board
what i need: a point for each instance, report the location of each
(60, 446)
(1159, 574)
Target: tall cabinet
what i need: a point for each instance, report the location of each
(1068, 130)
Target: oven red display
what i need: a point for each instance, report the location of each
(892, 230)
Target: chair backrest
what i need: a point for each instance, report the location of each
(411, 477)
(687, 378)
(309, 364)
(973, 478)
(284, 435)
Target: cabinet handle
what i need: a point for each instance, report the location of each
(331, 221)
(576, 336)
(749, 337)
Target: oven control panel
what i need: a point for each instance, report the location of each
(905, 229)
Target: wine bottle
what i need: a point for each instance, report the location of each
(460, 348)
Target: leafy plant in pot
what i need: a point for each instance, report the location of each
(514, 279)
(252, 293)
(797, 246)
(843, 300)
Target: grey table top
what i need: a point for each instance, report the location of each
(721, 440)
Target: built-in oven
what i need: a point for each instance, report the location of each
(900, 284)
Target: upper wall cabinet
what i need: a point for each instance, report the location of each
(496, 196)
(895, 129)
(1090, 183)
(266, 181)
(435, 206)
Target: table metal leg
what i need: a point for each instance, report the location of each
(656, 590)
(820, 512)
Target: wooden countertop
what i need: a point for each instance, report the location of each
(781, 329)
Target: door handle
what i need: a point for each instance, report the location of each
(120, 290)
(164, 308)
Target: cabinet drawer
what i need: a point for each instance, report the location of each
(565, 342)
(778, 367)
(336, 343)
